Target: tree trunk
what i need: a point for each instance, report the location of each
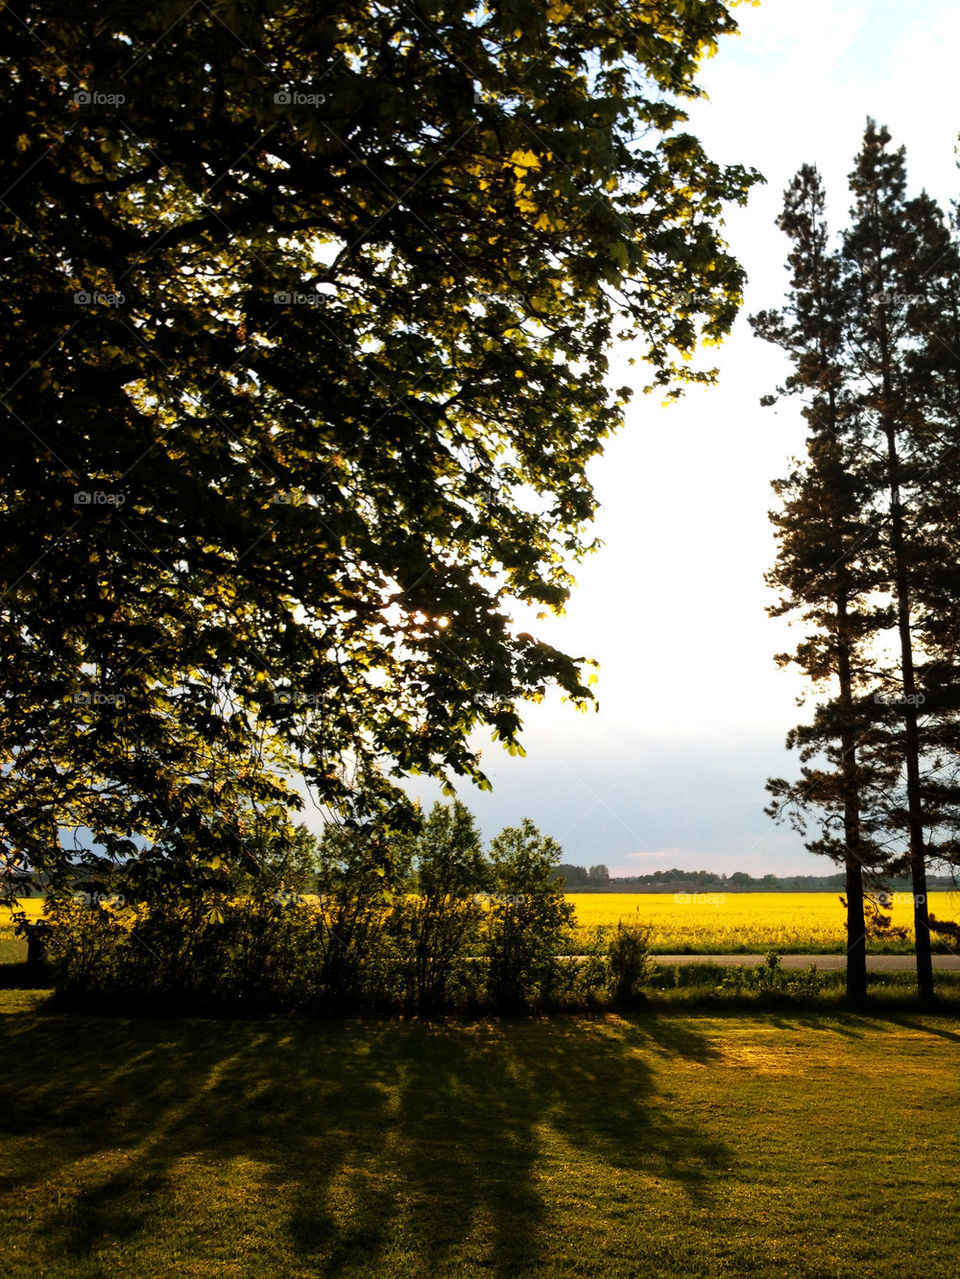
(37, 951)
(918, 870)
(853, 865)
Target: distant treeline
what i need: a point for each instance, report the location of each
(597, 879)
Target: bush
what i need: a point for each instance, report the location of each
(769, 978)
(528, 920)
(687, 976)
(629, 963)
(436, 923)
(357, 921)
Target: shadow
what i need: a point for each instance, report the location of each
(850, 1024)
(387, 1145)
(907, 1022)
(23, 976)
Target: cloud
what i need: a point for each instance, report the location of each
(808, 38)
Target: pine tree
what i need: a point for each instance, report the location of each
(825, 563)
(881, 251)
(867, 530)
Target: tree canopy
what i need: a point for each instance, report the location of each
(304, 354)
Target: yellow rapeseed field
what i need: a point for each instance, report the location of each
(712, 922)
(32, 907)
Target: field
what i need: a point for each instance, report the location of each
(602, 1148)
(714, 923)
(709, 923)
(14, 949)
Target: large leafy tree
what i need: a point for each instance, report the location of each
(305, 323)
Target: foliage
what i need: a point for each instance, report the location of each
(285, 863)
(305, 329)
(629, 963)
(581, 876)
(351, 950)
(436, 923)
(528, 917)
(867, 529)
(360, 941)
(770, 978)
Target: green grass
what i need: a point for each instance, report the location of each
(674, 985)
(671, 1144)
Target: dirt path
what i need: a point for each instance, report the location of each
(876, 963)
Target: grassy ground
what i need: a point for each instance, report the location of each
(680, 1144)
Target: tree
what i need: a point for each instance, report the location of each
(572, 876)
(935, 364)
(528, 915)
(450, 879)
(304, 340)
(882, 249)
(826, 562)
(863, 523)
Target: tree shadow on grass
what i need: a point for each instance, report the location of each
(379, 1147)
(908, 1021)
(485, 1115)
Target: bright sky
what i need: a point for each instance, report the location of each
(693, 711)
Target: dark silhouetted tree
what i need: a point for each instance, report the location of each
(304, 337)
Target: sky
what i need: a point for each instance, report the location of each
(693, 711)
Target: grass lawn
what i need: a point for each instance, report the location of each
(668, 1144)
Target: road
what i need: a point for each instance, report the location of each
(875, 963)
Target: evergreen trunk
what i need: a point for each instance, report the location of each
(853, 859)
(917, 855)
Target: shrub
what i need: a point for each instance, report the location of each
(629, 963)
(358, 920)
(769, 978)
(435, 924)
(528, 919)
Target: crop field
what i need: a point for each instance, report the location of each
(715, 923)
(13, 950)
(705, 923)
